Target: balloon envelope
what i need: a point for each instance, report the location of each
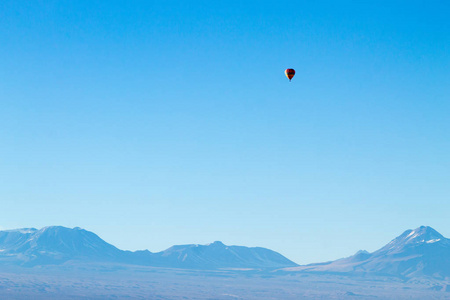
(289, 73)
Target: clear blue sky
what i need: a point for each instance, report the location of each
(155, 123)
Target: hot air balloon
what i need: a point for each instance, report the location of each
(289, 73)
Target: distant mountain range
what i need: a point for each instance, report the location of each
(419, 252)
(57, 245)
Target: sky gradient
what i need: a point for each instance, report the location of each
(155, 123)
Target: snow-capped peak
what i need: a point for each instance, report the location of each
(423, 234)
(419, 236)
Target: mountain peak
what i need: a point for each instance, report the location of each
(54, 244)
(416, 252)
(413, 238)
(59, 228)
(427, 230)
(217, 244)
(422, 234)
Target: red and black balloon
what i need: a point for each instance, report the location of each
(289, 73)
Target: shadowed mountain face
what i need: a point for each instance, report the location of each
(418, 252)
(56, 245)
